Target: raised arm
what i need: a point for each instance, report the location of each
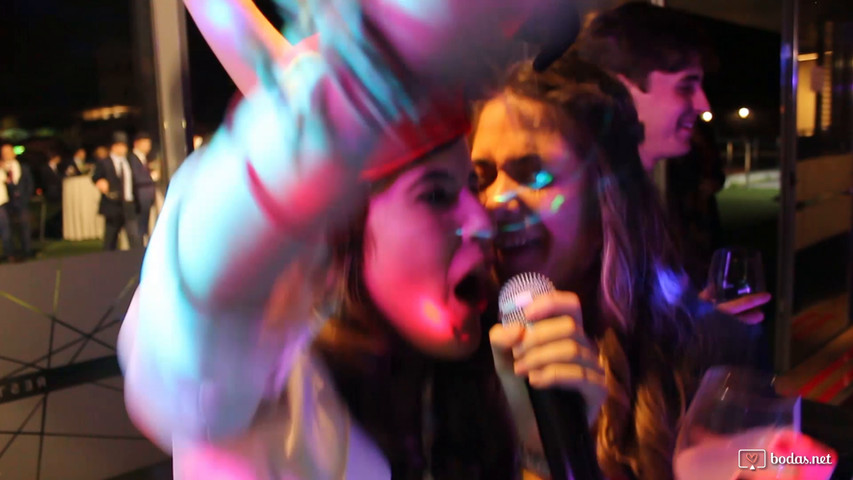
(286, 165)
(229, 26)
(245, 216)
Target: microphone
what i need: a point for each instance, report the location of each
(560, 414)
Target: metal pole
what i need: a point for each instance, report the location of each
(756, 154)
(820, 64)
(841, 75)
(788, 163)
(730, 153)
(168, 28)
(143, 71)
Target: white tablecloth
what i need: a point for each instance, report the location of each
(80, 218)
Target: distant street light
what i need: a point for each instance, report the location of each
(743, 112)
(707, 116)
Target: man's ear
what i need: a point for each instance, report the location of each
(630, 85)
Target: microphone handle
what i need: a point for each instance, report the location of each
(566, 439)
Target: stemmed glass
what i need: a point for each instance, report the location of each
(735, 414)
(735, 272)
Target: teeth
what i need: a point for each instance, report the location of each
(514, 242)
(517, 242)
(519, 234)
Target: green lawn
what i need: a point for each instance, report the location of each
(64, 248)
(741, 207)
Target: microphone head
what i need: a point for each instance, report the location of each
(518, 292)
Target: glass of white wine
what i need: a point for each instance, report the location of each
(735, 414)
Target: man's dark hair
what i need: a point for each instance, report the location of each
(53, 151)
(638, 38)
(118, 137)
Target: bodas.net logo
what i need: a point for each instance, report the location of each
(752, 458)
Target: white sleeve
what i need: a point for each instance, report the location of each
(210, 327)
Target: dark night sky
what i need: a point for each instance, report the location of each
(48, 65)
(748, 76)
(212, 88)
(48, 57)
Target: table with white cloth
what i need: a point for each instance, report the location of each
(80, 217)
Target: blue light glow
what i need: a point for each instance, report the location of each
(542, 180)
(669, 285)
(220, 14)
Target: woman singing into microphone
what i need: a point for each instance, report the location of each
(310, 300)
(558, 166)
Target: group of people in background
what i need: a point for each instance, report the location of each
(127, 190)
(39, 173)
(16, 189)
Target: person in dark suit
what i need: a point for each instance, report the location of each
(114, 178)
(51, 176)
(142, 181)
(693, 181)
(70, 168)
(81, 162)
(16, 182)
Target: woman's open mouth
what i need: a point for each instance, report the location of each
(474, 288)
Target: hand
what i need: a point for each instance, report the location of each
(451, 33)
(789, 442)
(747, 308)
(553, 352)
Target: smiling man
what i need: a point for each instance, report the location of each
(660, 56)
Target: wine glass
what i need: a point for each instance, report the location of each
(735, 272)
(734, 421)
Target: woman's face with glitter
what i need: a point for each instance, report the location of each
(534, 185)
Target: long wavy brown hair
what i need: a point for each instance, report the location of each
(390, 387)
(635, 314)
